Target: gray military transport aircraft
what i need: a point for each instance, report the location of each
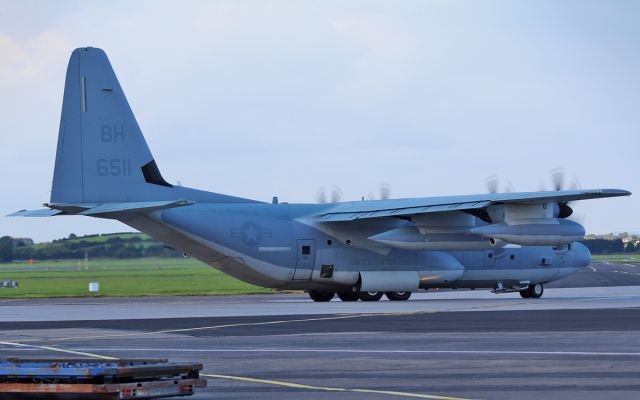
(508, 242)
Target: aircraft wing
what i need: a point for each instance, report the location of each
(355, 210)
(101, 209)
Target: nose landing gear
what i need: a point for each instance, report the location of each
(534, 291)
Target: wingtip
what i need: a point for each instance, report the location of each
(16, 214)
(620, 192)
(612, 192)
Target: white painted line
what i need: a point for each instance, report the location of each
(607, 298)
(202, 328)
(18, 349)
(56, 349)
(364, 351)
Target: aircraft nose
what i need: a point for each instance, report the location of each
(582, 255)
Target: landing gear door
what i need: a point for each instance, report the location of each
(305, 259)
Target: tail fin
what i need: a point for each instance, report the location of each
(101, 155)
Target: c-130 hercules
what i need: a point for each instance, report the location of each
(506, 242)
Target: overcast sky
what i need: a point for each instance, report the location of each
(268, 98)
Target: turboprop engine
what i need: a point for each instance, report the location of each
(531, 225)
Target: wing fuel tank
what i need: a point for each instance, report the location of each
(410, 238)
(534, 232)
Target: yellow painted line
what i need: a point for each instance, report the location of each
(277, 383)
(57, 349)
(407, 394)
(329, 388)
(292, 385)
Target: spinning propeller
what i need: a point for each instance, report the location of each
(330, 195)
(384, 192)
(559, 181)
(333, 194)
(493, 185)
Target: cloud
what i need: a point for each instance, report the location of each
(30, 58)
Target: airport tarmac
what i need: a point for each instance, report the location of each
(577, 342)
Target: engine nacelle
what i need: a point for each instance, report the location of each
(534, 231)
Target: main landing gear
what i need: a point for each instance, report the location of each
(398, 296)
(348, 296)
(324, 296)
(319, 295)
(370, 296)
(534, 291)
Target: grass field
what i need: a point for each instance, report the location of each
(126, 277)
(143, 277)
(617, 258)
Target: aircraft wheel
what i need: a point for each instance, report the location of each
(370, 296)
(536, 290)
(398, 296)
(320, 295)
(348, 296)
(524, 293)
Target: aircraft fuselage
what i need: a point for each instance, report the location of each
(277, 246)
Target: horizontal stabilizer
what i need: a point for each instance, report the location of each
(101, 209)
(138, 206)
(43, 212)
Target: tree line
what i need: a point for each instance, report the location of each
(609, 246)
(138, 245)
(73, 247)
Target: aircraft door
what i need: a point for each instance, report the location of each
(305, 260)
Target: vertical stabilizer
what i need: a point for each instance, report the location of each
(101, 155)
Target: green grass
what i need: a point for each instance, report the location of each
(127, 277)
(617, 257)
(145, 277)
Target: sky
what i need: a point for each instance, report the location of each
(280, 98)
